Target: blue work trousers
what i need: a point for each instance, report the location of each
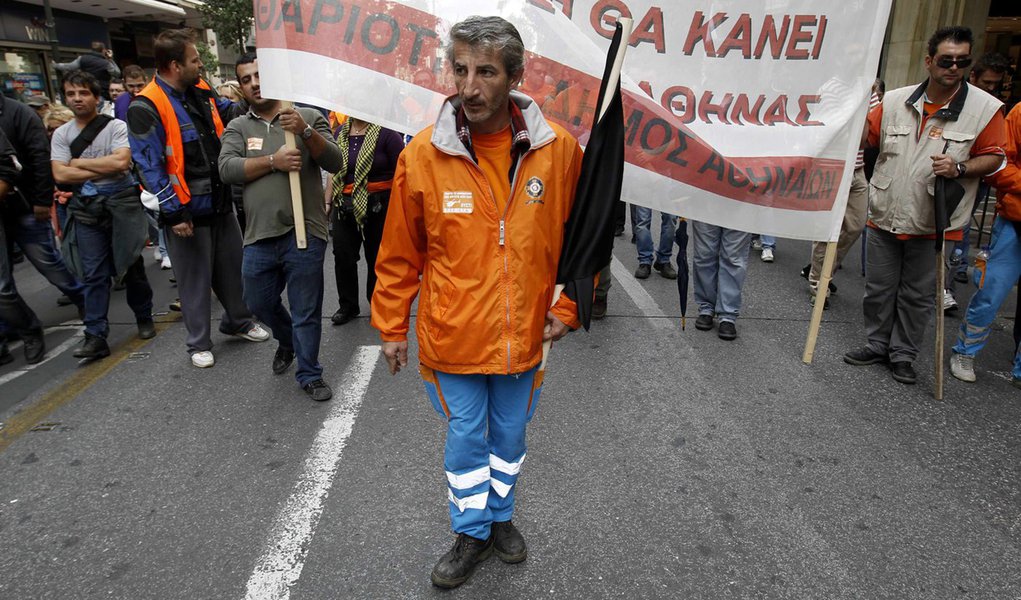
(486, 418)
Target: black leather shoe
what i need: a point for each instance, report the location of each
(282, 359)
(864, 356)
(508, 543)
(618, 230)
(904, 372)
(344, 315)
(5, 354)
(64, 300)
(643, 271)
(666, 270)
(704, 322)
(456, 566)
(35, 346)
(961, 277)
(146, 330)
(598, 308)
(727, 330)
(806, 270)
(318, 390)
(94, 347)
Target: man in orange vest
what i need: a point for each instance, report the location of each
(174, 127)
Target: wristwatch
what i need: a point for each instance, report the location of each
(308, 131)
(962, 170)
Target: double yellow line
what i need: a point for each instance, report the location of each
(80, 381)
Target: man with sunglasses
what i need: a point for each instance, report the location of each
(941, 128)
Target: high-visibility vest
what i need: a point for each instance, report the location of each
(174, 143)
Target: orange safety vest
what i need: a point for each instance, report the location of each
(174, 145)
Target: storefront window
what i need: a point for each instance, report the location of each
(21, 74)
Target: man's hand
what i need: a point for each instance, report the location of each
(42, 213)
(287, 160)
(396, 354)
(555, 328)
(291, 121)
(944, 166)
(183, 229)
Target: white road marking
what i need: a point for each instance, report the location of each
(51, 353)
(641, 298)
(284, 556)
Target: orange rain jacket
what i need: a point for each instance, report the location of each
(486, 279)
(1008, 180)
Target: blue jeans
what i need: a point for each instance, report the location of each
(486, 418)
(14, 313)
(720, 263)
(37, 241)
(271, 264)
(96, 253)
(643, 235)
(1002, 271)
(767, 241)
(962, 247)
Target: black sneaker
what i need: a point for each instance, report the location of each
(456, 566)
(643, 271)
(508, 543)
(806, 270)
(618, 230)
(666, 270)
(318, 390)
(727, 330)
(94, 348)
(864, 356)
(146, 330)
(904, 372)
(282, 359)
(598, 308)
(35, 346)
(704, 322)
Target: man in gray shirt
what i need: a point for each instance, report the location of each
(253, 154)
(107, 228)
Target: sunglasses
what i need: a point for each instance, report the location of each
(945, 62)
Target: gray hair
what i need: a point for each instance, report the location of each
(491, 33)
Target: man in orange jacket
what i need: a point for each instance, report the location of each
(1003, 267)
(477, 212)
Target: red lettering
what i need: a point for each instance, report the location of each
(566, 6)
(819, 36)
(799, 35)
(743, 111)
(803, 114)
(706, 107)
(650, 30)
(603, 23)
(739, 38)
(685, 111)
(771, 35)
(700, 30)
(777, 112)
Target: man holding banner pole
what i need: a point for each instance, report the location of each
(941, 128)
(477, 210)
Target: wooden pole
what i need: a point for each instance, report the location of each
(940, 285)
(295, 178)
(822, 290)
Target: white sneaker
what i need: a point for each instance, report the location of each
(949, 303)
(255, 334)
(767, 255)
(756, 244)
(156, 254)
(165, 264)
(203, 359)
(962, 367)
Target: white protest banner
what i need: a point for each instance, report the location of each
(742, 113)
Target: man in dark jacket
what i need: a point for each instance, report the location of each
(98, 63)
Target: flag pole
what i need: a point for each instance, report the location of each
(295, 179)
(938, 354)
(822, 289)
(611, 88)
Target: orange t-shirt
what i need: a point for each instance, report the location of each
(494, 153)
(990, 141)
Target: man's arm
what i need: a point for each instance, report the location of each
(987, 152)
(80, 170)
(236, 168)
(74, 65)
(1008, 180)
(318, 147)
(148, 141)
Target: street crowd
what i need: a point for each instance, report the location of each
(468, 218)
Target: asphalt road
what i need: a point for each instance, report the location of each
(662, 464)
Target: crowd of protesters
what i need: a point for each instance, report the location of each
(202, 177)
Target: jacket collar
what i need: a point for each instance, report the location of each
(532, 126)
(951, 111)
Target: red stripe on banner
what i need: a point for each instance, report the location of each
(399, 41)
